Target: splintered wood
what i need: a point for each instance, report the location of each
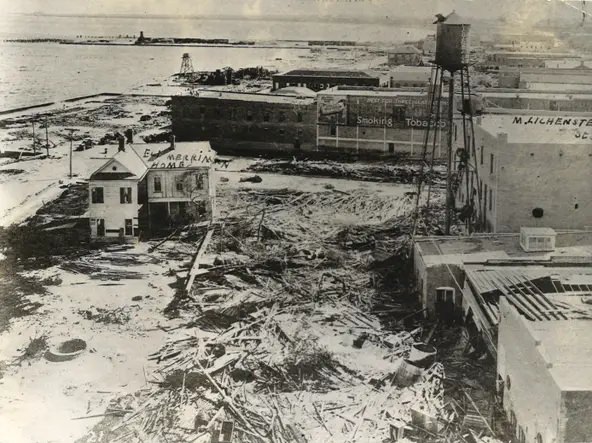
(280, 343)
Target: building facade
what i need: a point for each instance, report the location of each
(543, 377)
(404, 55)
(318, 80)
(147, 188)
(527, 170)
(238, 123)
(117, 195)
(384, 121)
(180, 184)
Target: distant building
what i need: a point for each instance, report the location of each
(383, 121)
(527, 170)
(323, 79)
(410, 77)
(499, 59)
(404, 55)
(578, 78)
(429, 45)
(551, 100)
(243, 122)
(146, 188)
(526, 42)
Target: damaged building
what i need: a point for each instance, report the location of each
(147, 188)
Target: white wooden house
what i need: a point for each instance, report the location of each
(147, 188)
(116, 195)
(180, 183)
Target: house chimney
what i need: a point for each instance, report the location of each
(129, 135)
(173, 141)
(121, 140)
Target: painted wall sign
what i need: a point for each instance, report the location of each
(180, 161)
(552, 121)
(333, 109)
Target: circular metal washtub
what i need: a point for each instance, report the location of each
(67, 350)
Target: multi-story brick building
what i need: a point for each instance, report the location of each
(243, 122)
(529, 168)
(384, 121)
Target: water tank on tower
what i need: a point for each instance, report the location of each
(452, 42)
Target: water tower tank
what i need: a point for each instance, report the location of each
(452, 43)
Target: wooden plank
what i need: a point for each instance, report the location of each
(198, 256)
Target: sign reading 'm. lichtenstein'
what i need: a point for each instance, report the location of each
(576, 122)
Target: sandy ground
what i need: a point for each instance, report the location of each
(41, 399)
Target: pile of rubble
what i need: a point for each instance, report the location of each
(278, 342)
(401, 172)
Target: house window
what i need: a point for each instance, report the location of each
(482, 153)
(333, 130)
(249, 115)
(490, 199)
(128, 226)
(199, 182)
(282, 116)
(97, 195)
(491, 164)
(157, 184)
(202, 110)
(282, 132)
(125, 195)
(179, 184)
(266, 116)
(299, 116)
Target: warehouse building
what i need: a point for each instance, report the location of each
(244, 122)
(498, 59)
(384, 121)
(318, 80)
(410, 77)
(404, 55)
(528, 169)
(546, 79)
(521, 99)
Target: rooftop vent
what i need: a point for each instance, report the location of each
(537, 239)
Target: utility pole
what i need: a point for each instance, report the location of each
(34, 141)
(72, 130)
(449, 169)
(46, 137)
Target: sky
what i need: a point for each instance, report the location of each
(525, 9)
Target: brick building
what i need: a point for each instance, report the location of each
(529, 170)
(384, 121)
(242, 122)
(324, 79)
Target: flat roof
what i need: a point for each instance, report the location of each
(567, 345)
(252, 97)
(338, 73)
(404, 49)
(436, 250)
(372, 92)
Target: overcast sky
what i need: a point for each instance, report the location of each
(351, 8)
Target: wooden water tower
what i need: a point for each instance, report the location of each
(452, 55)
(452, 43)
